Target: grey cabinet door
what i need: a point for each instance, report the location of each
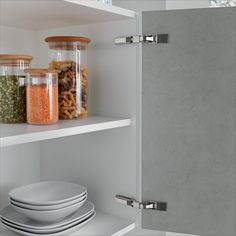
(188, 121)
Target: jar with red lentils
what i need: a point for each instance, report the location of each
(68, 55)
(41, 96)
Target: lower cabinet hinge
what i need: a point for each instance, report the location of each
(152, 39)
(152, 205)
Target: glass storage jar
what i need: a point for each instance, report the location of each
(12, 89)
(42, 96)
(68, 55)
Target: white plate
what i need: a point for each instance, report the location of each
(8, 213)
(50, 205)
(61, 233)
(47, 193)
(51, 215)
(48, 231)
(48, 208)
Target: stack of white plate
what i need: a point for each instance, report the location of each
(46, 208)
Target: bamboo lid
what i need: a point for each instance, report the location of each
(15, 57)
(70, 39)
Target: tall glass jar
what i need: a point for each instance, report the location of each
(68, 55)
(42, 96)
(12, 89)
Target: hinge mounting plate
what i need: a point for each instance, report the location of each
(151, 205)
(151, 39)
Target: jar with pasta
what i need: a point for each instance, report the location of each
(68, 55)
(42, 96)
(12, 88)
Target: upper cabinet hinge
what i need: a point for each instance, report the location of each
(152, 205)
(152, 39)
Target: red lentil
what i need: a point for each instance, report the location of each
(42, 104)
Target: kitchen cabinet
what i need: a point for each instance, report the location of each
(162, 124)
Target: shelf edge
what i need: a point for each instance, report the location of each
(59, 133)
(125, 230)
(103, 7)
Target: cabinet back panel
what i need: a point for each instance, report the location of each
(112, 68)
(102, 161)
(17, 41)
(19, 165)
(106, 161)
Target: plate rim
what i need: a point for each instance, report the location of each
(44, 210)
(48, 226)
(50, 202)
(50, 231)
(68, 231)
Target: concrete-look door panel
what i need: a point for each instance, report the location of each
(188, 121)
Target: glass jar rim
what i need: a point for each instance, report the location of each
(68, 46)
(40, 73)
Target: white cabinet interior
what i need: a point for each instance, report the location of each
(107, 162)
(103, 161)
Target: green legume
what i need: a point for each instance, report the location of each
(12, 100)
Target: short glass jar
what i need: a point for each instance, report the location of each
(68, 55)
(12, 89)
(42, 96)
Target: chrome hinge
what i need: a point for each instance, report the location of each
(152, 39)
(152, 205)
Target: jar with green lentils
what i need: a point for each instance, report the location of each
(12, 87)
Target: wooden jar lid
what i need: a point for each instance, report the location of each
(69, 39)
(15, 57)
(15, 60)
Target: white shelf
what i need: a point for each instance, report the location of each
(12, 134)
(44, 14)
(101, 225)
